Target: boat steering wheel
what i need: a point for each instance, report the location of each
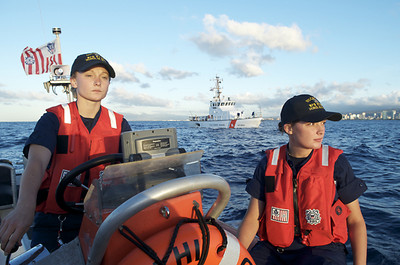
(70, 177)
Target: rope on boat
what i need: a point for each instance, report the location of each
(203, 224)
(132, 237)
(205, 234)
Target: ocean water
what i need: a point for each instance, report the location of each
(372, 147)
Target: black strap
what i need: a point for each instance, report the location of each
(296, 208)
(41, 196)
(269, 183)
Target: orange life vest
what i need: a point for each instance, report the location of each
(75, 145)
(321, 220)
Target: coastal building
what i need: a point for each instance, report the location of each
(382, 115)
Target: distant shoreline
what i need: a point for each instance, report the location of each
(265, 119)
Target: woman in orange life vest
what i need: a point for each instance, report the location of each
(64, 137)
(304, 195)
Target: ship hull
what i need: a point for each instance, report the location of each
(232, 124)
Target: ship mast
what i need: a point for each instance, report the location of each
(217, 88)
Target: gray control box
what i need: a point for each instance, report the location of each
(149, 143)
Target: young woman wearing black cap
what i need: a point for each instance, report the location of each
(304, 195)
(65, 136)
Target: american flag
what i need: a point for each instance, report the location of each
(280, 215)
(38, 61)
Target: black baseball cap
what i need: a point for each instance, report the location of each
(86, 61)
(306, 108)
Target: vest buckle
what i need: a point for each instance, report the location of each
(280, 250)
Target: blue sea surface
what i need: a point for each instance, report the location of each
(372, 147)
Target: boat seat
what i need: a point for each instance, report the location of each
(8, 189)
(6, 196)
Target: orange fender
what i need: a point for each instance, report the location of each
(187, 248)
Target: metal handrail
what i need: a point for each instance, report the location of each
(160, 192)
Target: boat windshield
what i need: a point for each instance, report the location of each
(122, 181)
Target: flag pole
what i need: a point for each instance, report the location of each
(60, 74)
(57, 32)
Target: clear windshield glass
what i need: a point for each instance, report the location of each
(122, 181)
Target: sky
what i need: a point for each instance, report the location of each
(167, 53)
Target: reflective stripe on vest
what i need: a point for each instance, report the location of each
(67, 113)
(325, 155)
(275, 157)
(112, 119)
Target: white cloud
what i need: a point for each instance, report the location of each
(343, 97)
(246, 42)
(145, 85)
(141, 68)
(215, 44)
(335, 90)
(170, 73)
(8, 96)
(366, 103)
(250, 65)
(246, 69)
(199, 97)
(124, 97)
(122, 73)
(273, 37)
(125, 73)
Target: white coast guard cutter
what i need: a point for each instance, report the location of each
(223, 114)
